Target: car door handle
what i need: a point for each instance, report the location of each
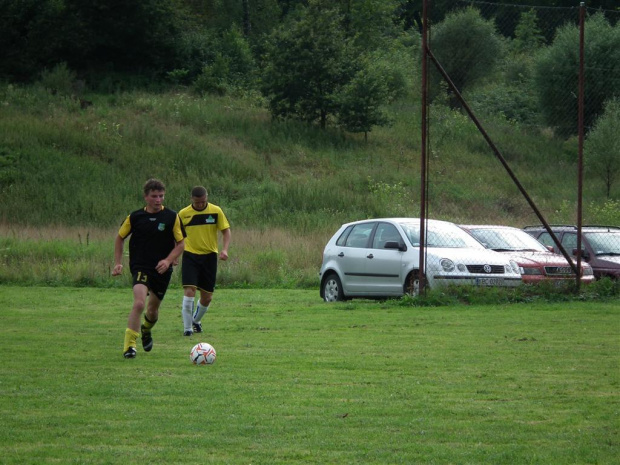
(341, 254)
(370, 256)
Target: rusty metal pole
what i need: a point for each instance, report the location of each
(422, 272)
(582, 15)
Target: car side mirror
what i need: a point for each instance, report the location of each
(395, 245)
(585, 255)
(550, 248)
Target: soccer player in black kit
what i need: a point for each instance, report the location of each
(157, 240)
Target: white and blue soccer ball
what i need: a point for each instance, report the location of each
(202, 354)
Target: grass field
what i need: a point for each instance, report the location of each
(300, 381)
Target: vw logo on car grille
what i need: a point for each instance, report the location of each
(487, 268)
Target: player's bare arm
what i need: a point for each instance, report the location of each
(164, 264)
(118, 256)
(225, 243)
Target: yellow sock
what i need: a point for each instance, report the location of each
(130, 339)
(148, 324)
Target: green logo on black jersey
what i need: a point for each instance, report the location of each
(210, 219)
(161, 226)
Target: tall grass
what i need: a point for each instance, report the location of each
(259, 258)
(73, 256)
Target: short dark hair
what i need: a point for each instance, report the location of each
(199, 191)
(153, 185)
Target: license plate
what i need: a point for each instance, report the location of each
(489, 281)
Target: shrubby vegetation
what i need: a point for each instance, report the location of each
(320, 61)
(604, 289)
(602, 150)
(556, 79)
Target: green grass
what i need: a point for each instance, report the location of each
(301, 381)
(88, 166)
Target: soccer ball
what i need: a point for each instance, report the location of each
(202, 354)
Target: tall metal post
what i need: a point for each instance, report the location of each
(582, 15)
(422, 275)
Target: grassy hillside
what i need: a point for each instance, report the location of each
(69, 173)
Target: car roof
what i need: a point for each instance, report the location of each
(398, 220)
(571, 227)
(487, 226)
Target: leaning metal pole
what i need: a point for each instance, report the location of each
(422, 260)
(582, 9)
(501, 158)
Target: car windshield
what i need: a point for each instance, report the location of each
(508, 240)
(604, 243)
(441, 235)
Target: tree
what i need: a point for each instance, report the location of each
(314, 72)
(31, 36)
(467, 46)
(602, 146)
(556, 74)
(372, 22)
(528, 36)
(95, 35)
(361, 100)
(308, 60)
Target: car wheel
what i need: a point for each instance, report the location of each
(332, 289)
(412, 284)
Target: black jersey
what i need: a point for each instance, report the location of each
(153, 236)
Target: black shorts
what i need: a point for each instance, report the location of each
(157, 283)
(199, 271)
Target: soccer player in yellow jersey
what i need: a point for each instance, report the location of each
(201, 220)
(156, 242)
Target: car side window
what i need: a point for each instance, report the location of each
(545, 239)
(359, 235)
(385, 233)
(343, 237)
(569, 241)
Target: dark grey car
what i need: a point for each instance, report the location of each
(600, 245)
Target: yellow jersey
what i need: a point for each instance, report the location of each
(201, 227)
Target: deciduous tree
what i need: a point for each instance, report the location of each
(467, 46)
(557, 74)
(602, 146)
(308, 60)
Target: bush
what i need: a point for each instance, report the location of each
(60, 80)
(512, 102)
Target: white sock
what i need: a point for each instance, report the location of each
(200, 312)
(186, 312)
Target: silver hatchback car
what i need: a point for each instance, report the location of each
(379, 258)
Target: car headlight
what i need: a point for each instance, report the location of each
(588, 271)
(447, 264)
(515, 267)
(531, 271)
(462, 268)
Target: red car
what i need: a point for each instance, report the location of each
(537, 262)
